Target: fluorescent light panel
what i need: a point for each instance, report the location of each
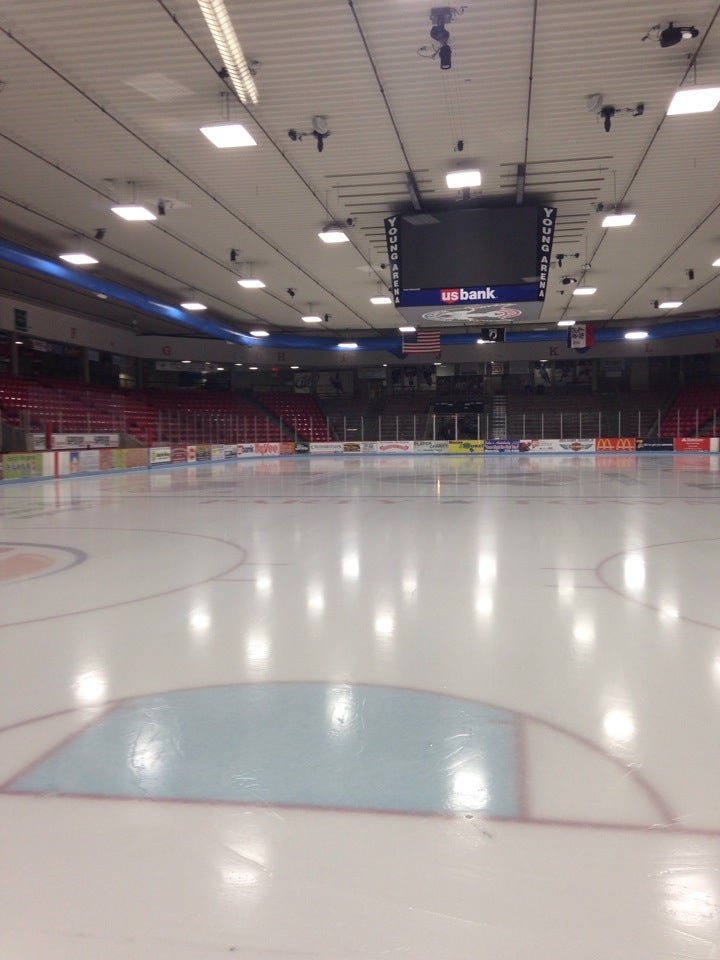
(348, 346)
(618, 220)
(223, 33)
(566, 323)
(670, 304)
(78, 259)
(131, 211)
(457, 179)
(380, 300)
(193, 305)
(259, 333)
(407, 329)
(636, 335)
(694, 100)
(584, 291)
(716, 263)
(312, 318)
(225, 135)
(251, 284)
(334, 235)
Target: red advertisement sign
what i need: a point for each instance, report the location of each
(691, 444)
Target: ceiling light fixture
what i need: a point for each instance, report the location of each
(259, 333)
(251, 283)
(584, 291)
(458, 179)
(78, 259)
(671, 35)
(193, 305)
(225, 135)
(670, 304)
(312, 318)
(636, 335)
(716, 263)
(407, 329)
(694, 100)
(333, 233)
(566, 323)
(380, 299)
(223, 33)
(618, 219)
(133, 211)
(347, 346)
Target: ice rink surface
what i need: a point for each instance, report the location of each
(434, 708)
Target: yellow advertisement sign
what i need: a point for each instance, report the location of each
(466, 446)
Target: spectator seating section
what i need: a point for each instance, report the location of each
(694, 412)
(299, 413)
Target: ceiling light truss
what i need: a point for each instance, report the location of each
(223, 33)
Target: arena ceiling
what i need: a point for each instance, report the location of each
(101, 104)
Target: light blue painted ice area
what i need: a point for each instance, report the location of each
(306, 744)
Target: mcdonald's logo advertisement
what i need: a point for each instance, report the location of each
(615, 444)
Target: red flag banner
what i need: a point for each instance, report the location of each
(423, 341)
(581, 336)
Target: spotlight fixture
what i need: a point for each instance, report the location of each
(671, 35)
(100, 233)
(608, 112)
(223, 33)
(445, 54)
(566, 281)
(690, 274)
(78, 259)
(439, 34)
(694, 100)
(320, 131)
(618, 219)
(333, 233)
(459, 179)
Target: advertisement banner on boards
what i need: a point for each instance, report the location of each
(217, 451)
(267, 449)
(430, 446)
(577, 446)
(466, 446)
(246, 450)
(160, 455)
(325, 448)
(691, 444)
(81, 441)
(654, 443)
(178, 454)
(230, 452)
(18, 466)
(286, 449)
(501, 446)
(203, 452)
(615, 444)
(359, 446)
(540, 446)
(302, 447)
(112, 459)
(78, 461)
(395, 446)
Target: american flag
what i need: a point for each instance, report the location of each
(424, 341)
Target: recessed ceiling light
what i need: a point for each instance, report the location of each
(333, 234)
(584, 291)
(225, 135)
(131, 211)
(694, 100)
(380, 300)
(193, 305)
(238, 364)
(259, 333)
(220, 369)
(566, 323)
(79, 259)
(186, 361)
(312, 318)
(251, 284)
(18, 343)
(347, 346)
(618, 220)
(636, 335)
(407, 329)
(252, 368)
(670, 304)
(294, 368)
(457, 179)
